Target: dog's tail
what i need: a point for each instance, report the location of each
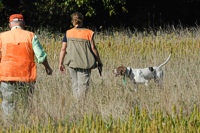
(165, 61)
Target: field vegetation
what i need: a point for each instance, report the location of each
(112, 106)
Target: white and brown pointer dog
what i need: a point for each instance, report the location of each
(142, 75)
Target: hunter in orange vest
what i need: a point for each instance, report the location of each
(81, 56)
(18, 68)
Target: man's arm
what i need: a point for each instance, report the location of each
(62, 56)
(96, 54)
(95, 51)
(47, 67)
(41, 55)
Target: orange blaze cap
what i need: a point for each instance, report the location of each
(16, 17)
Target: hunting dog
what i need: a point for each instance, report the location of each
(143, 75)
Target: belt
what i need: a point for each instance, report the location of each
(82, 70)
(10, 82)
(17, 82)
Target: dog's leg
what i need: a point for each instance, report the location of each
(134, 82)
(146, 83)
(159, 78)
(136, 87)
(159, 82)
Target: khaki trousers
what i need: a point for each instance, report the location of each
(80, 82)
(15, 97)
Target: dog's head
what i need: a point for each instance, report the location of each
(121, 70)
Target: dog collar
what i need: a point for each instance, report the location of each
(128, 75)
(130, 71)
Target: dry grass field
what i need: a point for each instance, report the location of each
(116, 105)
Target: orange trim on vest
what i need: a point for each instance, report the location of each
(80, 33)
(17, 62)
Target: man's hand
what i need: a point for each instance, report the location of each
(47, 67)
(48, 70)
(61, 68)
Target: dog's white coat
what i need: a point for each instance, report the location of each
(144, 75)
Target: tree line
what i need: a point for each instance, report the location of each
(143, 14)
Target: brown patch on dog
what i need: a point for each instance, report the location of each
(120, 71)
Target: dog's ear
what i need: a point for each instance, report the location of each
(120, 70)
(123, 70)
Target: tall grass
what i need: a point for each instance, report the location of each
(172, 108)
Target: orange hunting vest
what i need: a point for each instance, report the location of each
(79, 52)
(17, 56)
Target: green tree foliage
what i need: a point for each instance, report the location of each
(111, 4)
(55, 14)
